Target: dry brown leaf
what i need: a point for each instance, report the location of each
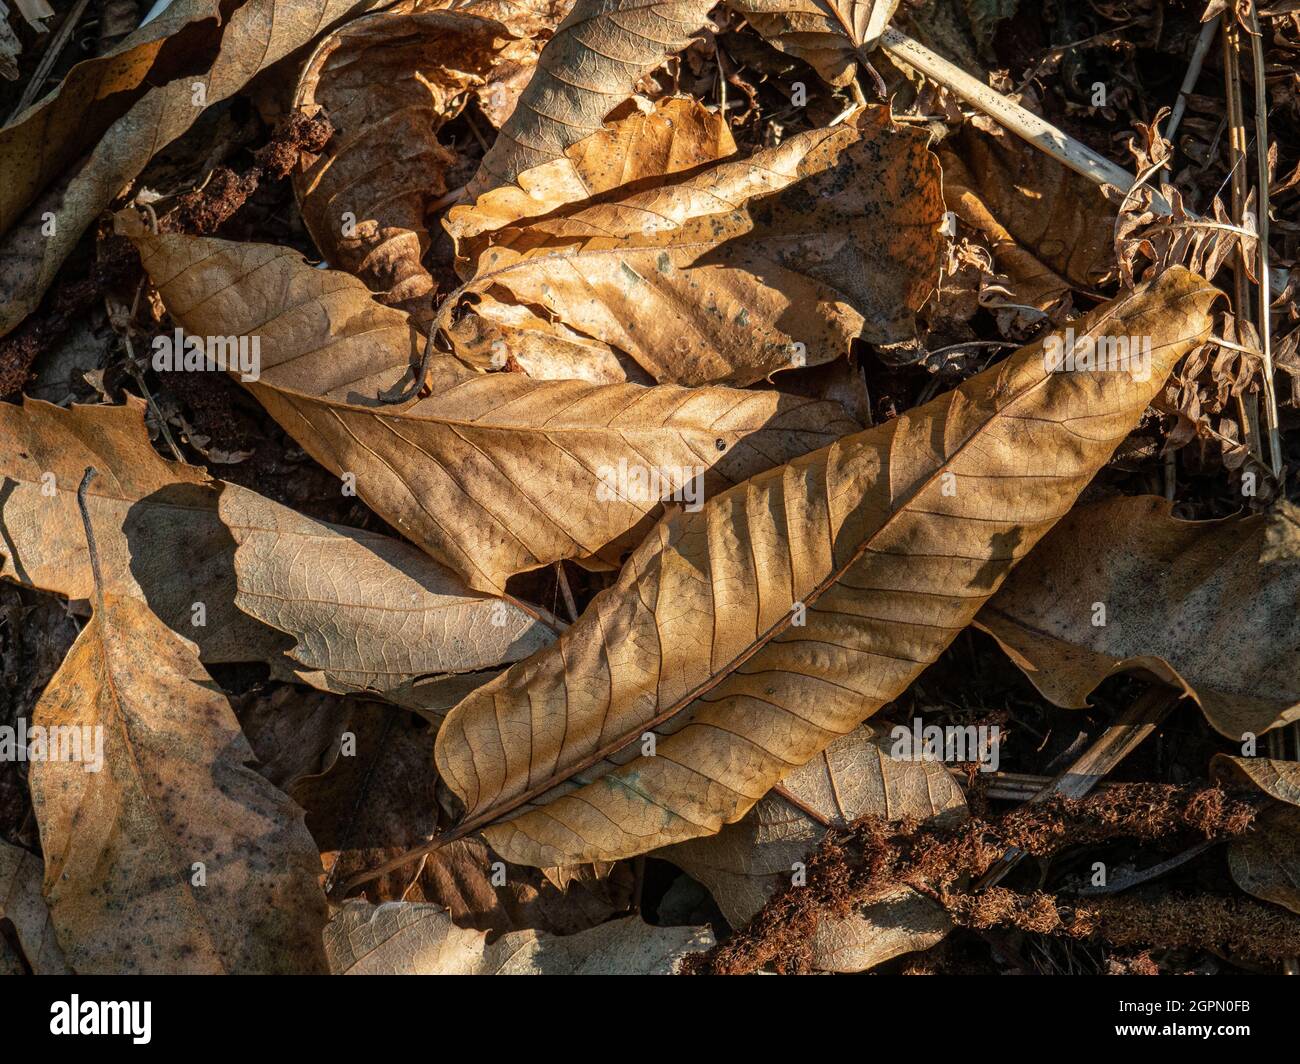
(48, 137)
(749, 861)
(1048, 228)
(21, 874)
(586, 70)
(884, 545)
(403, 938)
(367, 612)
(152, 859)
(638, 149)
(826, 34)
(259, 33)
(742, 269)
(1188, 601)
(387, 82)
(1266, 861)
(492, 474)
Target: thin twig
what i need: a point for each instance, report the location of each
(569, 603)
(51, 56)
(1199, 53)
(1265, 296)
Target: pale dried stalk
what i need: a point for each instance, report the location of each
(1265, 296)
(1194, 65)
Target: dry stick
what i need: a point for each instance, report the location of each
(563, 580)
(1193, 74)
(1247, 405)
(1028, 126)
(1115, 743)
(1146, 875)
(1265, 296)
(51, 56)
(1012, 786)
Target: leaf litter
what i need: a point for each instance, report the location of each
(557, 468)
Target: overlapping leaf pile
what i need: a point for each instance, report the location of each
(615, 357)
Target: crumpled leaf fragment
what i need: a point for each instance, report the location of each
(387, 82)
(1048, 228)
(828, 35)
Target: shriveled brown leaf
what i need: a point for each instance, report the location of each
(639, 149)
(1188, 601)
(21, 875)
(1266, 861)
(173, 800)
(742, 269)
(493, 474)
(586, 70)
(387, 82)
(826, 34)
(749, 861)
(881, 555)
(365, 612)
(259, 33)
(403, 938)
(1048, 228)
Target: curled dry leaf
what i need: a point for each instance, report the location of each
(21, 875)
(882, 547)
(1048, 228)
(1266, 861)
(492, 474)
(827, 35)
(366, 612)
(638, 149)
(586, 70)
(744, 268)
(1187, 601)
(387, 82)
(402, 938)
(749, 861)
(154, 855)
(259, 33)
